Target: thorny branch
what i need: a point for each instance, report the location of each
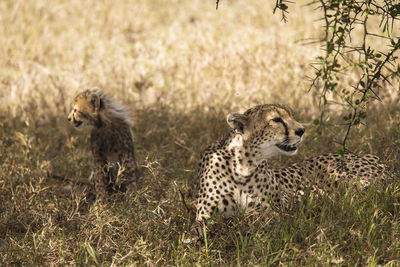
(342, 20)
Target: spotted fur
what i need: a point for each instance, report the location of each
(234, 172)
(111, 141)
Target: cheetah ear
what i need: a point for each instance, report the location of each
(95, 101)
(237, 121)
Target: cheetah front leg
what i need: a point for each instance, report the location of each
(198, 230)
(99, 179)
(206, 207)
(128, 174)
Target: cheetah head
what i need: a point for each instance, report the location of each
(267, 130)
(85, 109)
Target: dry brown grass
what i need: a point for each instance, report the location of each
(180, 66)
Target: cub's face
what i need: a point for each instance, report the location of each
(84, 110)
(268, 130)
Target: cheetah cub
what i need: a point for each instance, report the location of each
(234, 172)
(112, 147)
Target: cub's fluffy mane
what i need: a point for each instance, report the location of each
(111, 111)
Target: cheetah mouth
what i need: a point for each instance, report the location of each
(287, 148)
(77, 123)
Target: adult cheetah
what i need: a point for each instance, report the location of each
(234, 172)
(111, 141)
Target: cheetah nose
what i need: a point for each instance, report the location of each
(300, 131)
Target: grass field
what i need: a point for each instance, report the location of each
(180, 66)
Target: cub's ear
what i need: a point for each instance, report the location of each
(95, 101)
(237, 121)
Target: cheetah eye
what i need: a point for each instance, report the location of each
(277, 119)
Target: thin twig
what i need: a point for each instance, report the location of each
(183, 200)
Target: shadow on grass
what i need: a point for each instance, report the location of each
(39, 224)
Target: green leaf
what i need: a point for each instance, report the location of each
(394, 11)
(91, 252)
(331, 46)
(362, 115)
(340, 152)
(283, 6)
